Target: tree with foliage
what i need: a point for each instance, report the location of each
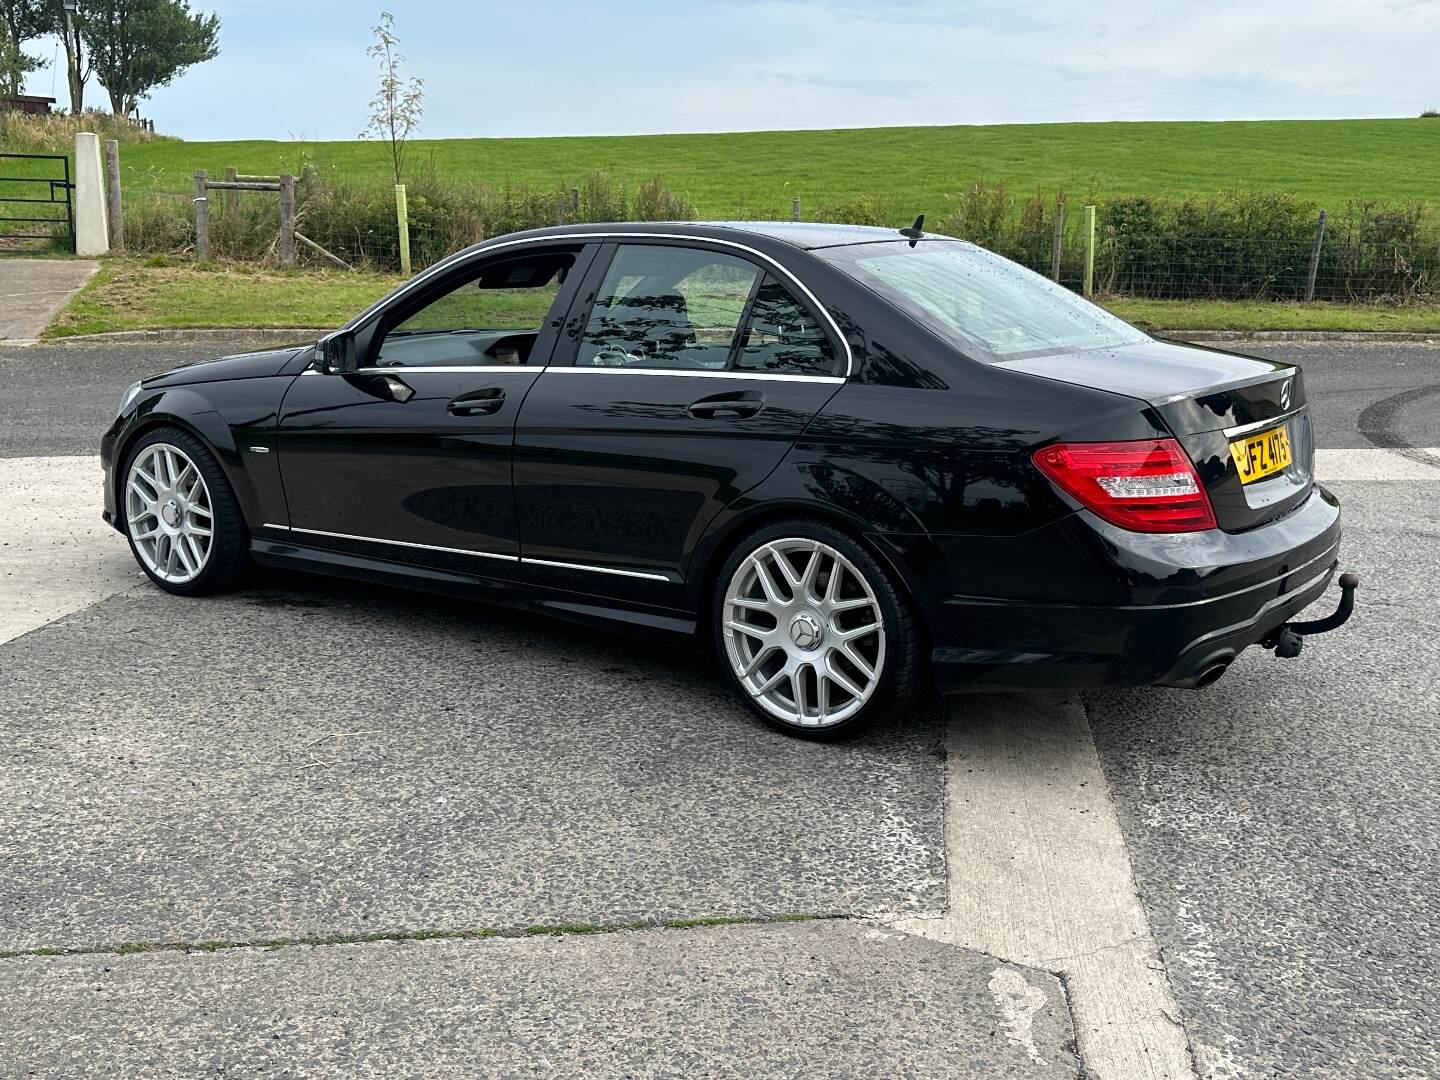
(20, 21)
(137, 46)
(68, 30)
(395, 112)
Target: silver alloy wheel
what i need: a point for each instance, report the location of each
(804, 632)
(168, 513)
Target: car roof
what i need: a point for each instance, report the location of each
(806, 235)
(810, 234)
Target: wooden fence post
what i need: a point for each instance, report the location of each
(112, 191)
(575, 203)
(287, 220)
(232, 198)
(202, 217)
(1315, 257)
(1089, 250)
(402, 217)
(795, 209)
(1058, 242)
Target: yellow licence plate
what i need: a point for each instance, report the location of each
(1261, 455)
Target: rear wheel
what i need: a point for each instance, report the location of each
(812, 632)
(181, 515)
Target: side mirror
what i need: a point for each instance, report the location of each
(335, 354)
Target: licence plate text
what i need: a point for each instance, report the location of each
(1261, 455)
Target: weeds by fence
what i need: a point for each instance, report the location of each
(1240, 246)
(54, 133)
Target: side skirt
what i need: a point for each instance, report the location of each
(666, 627)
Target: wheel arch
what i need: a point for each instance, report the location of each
(720, 541)
(165, 414)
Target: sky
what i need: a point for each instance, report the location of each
(298, 70)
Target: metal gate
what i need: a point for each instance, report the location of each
(36, 209)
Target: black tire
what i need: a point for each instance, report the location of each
(898, 680)
(230, 545)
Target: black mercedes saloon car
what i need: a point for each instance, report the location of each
(850, 461)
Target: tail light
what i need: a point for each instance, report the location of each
(1148, 485)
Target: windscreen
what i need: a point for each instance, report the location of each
(991, 308)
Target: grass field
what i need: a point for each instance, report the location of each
(909, 169)
(127, 294)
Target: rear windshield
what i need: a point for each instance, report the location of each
(991, 308)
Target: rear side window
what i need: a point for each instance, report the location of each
(782, 336)
(678, 307)
(667, 307)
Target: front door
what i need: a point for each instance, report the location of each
(691, 374)
(409, 458)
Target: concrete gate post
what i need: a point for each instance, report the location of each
(92, 230)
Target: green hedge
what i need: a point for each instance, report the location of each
(1237, 246)
(358, 222)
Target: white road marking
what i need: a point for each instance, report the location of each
(56, 555)
(1372, 463)
(1039, 876)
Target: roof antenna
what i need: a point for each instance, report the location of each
(915, 232)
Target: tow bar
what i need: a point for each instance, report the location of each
(1287, 640)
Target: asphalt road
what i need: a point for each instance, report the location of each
(59, 398)
(260, 767)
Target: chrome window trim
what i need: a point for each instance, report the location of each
(479, 554)
(401, 369)
(1261, 425)
(696, 373)
(562, 238)
(565, 369)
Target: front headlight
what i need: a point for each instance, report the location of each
(128, 398)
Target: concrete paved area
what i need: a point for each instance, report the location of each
(794, 1000)
(56, 554)
(33, 290)
(1242, 877)
(311, 760)
(1282, 824)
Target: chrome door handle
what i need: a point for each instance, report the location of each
(478, 403)
(736, 404)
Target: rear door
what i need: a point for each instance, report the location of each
(689, 372)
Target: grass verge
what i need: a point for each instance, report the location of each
(131, 294)
(1253, 315)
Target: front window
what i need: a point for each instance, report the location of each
(989, 307)
(491, 316)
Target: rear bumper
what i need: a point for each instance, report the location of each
(1170, 625)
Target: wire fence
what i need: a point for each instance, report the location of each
(1260, 247)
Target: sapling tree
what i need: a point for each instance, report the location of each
(395, 111)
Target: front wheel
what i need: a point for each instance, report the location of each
(813, 633)
(181, 515)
